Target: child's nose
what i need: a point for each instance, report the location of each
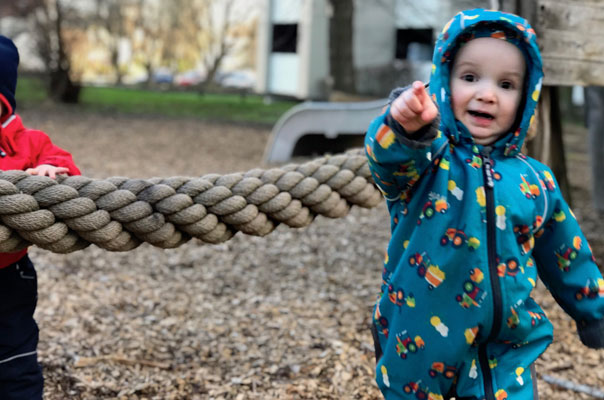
(486, 93)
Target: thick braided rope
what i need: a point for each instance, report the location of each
(118, 214)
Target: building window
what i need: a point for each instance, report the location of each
(414, 44)
(285, 38)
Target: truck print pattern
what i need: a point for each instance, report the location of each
(472, 230)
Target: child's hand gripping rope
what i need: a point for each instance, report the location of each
(47, 170)
(414, 108)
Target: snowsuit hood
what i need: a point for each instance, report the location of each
(471, 24)
(9, 61)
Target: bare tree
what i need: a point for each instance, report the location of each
(215, 45)
(110, 17)
(49, 19)
(53, 47)
(179, 35)
(201, 35)
(150, 36)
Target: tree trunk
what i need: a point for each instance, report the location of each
(341, 45)
(526, 9)
(62, 88)
(212, 70)
(595, 125)
(116, 65)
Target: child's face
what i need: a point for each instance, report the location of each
(486, 86)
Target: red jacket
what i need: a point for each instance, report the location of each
(22, 148)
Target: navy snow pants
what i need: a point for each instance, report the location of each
(20, 374)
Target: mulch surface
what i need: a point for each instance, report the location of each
(280, 317)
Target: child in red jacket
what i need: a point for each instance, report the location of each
(32, 151)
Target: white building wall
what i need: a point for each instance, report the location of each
(284, 75)
(374, 33)
(419, 14)
(286, 11)
(305, 74)
(285, 68)
(302, 74)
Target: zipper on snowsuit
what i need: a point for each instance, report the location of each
(489, 185)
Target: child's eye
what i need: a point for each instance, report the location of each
(468, 78)
(507, 85)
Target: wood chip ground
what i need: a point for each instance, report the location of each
(280, 317)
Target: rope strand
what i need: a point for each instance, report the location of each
(118, 213)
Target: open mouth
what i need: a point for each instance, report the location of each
(480, 114)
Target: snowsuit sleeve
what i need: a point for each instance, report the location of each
(45, 152)
(397, 159)
(568, 269)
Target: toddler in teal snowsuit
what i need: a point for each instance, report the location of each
(474, 222)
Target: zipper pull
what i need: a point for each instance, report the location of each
(489, 172)
(488, 167)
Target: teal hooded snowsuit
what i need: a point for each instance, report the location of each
(472, 228)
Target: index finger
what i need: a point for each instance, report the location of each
(419, 89)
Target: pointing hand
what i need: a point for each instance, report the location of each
(414, 108)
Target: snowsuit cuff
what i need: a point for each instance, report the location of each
(592, 333)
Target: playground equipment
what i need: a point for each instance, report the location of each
(119, 213)
(332, 120)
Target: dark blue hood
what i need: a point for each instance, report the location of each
(9, 61)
